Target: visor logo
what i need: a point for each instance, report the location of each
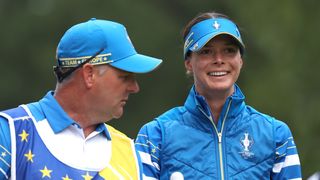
(195, 46)
(216, 25)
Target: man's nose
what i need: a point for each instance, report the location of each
(134, 87)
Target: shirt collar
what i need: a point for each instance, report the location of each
(58, 118)
(237, 101)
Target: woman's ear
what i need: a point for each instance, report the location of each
(188, 65)
(241, 63)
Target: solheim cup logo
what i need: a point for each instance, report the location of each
(246, 142)
(216, 25)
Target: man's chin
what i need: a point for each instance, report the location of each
(117, 115)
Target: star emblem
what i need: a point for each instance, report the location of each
(216, 25)
(153, 150)
(3, 154)
(87, 176)
(24, 136)
(45, 172)
(66, 177)
(29, 156)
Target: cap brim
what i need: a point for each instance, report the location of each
(205, 39)
(137, 63)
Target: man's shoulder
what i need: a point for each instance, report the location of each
(13, 112)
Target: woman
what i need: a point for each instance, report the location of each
(215, 135)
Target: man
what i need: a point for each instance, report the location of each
(63, 136)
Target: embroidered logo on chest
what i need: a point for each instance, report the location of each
(246, 143)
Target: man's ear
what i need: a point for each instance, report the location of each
(88, 75)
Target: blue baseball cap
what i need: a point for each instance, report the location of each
(202, 32)
(84, 40)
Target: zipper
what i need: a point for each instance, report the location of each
(219, 134)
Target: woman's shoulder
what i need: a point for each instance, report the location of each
(255, 114)
(172, 114)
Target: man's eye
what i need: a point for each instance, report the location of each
(127, 77)
(123, 77)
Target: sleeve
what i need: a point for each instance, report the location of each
(139, 164)
(148, 145)
(5, 149)
(287, 163)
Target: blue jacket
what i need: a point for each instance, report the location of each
(245, 144)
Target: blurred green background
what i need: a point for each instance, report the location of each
(280, 76)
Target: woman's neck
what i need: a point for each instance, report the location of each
(216, 101)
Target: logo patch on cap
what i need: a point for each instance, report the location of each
(71, 62)
(216, 25)
(195, 46)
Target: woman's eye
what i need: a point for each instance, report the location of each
(206, 51)
(231, 50)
